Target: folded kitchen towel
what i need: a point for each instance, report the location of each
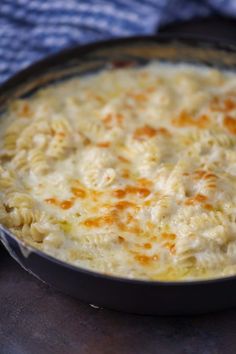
(31, 29)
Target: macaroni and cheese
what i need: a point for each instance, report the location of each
(129, 172)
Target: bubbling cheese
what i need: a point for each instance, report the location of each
(129, 172)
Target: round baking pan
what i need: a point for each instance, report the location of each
(130, 295)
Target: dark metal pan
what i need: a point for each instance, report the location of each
(136, 296)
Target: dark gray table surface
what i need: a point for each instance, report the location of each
(36, 319)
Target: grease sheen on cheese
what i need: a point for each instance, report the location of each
(129, 172)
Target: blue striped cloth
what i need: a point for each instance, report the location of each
(31, 29)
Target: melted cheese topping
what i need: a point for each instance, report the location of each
(129, 172)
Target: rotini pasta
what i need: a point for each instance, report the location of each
(130, 172)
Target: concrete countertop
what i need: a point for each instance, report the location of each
(36, 319)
